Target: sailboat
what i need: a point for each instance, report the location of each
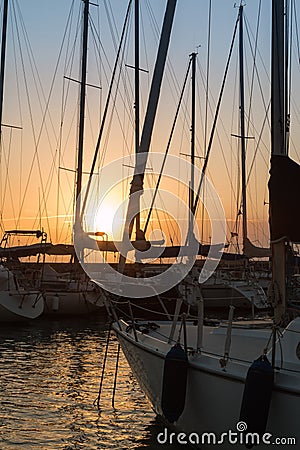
(224, 288)
(242, 285)
(66, 291)
(235, 383)
(219, 294)
(73, 293)
(17, 302)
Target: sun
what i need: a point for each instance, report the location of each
(105, 217)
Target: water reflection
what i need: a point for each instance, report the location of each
(49, 381)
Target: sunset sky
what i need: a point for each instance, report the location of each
(35, 192)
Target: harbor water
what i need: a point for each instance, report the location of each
(50, 372)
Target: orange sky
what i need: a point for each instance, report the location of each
(30, 157)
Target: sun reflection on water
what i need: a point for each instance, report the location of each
(49, 380)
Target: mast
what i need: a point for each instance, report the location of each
(278, 147)
(249, 250)
(278, 80)
(137, 93)
(242, 123)
(193, 120)
(2, 66)
(137, 183)
(82, 109)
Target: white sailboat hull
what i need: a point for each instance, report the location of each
(18, 306)
(17, 303)
(214, 395)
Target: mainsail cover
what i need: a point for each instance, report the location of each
(21, 251)
(252, 251)
(284, 192)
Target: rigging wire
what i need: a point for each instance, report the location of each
(35, 138)
(214, 123)
(206, 108)
(7, 184)
(68, 66)
(103, 153)
(167, 148)
(46, 112)
(220, 143)
(105, 111)
(297, 51)
(3, 159)
(123, 99)
(100, 63)
(296, 26)
(266, 107)
(111, 22)
(142, 32)
(251, 95)
(287, 75)
(238, 161)
(254, 60)
(18, 91)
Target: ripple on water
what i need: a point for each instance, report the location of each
(49, 381)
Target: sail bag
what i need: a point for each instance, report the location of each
(284, 192)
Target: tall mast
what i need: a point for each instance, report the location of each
(278, 147)
(193, 120)
(193, 115)
(278, 117)
(242, 122)
(3, 54)
(137, 94)
(136, 189)
(82, 109)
